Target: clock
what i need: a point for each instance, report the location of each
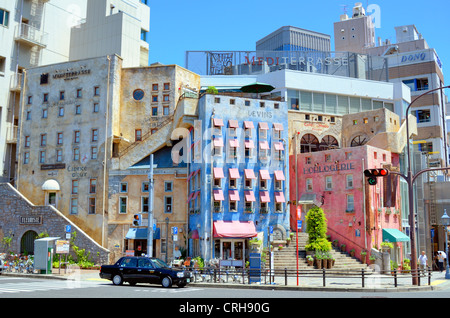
(138, 94)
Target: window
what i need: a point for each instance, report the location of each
(76, 136)
(59, 155)
(123, 187)
(42, 156)
(166, 110)
(28, 115)
(276, 106)
(308, 160)
(166, 86)
(217, 100)
(154, 87)
(247, 103)
(328, 182)
(348, 155)
(168, 186)
(123, 204)
(233, 205)
(327, 158)
(138, 135)
(79, 93)
(233, 183)
(309, 185)
(154, 111)
(94, 135)
(76, 154)
(91, 206)
(154, 98)
(278, 207)
(44, 113)
(96, 90)
(59, 138)
(30, 100)
(61, 112)
(94, 152)
(77, 109)
(27, 141)
(168, 204)
(349, 181)
(263, 184)
(95, 110)
(61, 95)
(144, 187)
(165, 98)
(74, 206)
(45, 99)
(75, 186)
(232, 101)
(92, 185)
(144, 204)
(4, 17)
(26, 158)
(350, 203)
(423, 116)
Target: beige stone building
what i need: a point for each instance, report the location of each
(90, 123)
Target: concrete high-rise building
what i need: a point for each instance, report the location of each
(289, 38)
(42, 32)
(410, 61)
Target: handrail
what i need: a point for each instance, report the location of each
(347, 239)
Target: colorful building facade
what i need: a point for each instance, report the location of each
(238, 177)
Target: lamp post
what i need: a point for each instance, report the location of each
(445, 220)
(410, 178)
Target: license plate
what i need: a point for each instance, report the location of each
(188, 280)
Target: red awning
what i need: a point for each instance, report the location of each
(234, 229)
(279, 197)
(233, 123)
(248, 124)
(218, 122)
(279, 175)
(218, 173)
(218, 195)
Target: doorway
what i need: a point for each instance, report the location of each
(27, 243)
(232, 249)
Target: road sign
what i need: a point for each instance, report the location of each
(299, 224)
(174, 230)
(271, 229)
(68, 228)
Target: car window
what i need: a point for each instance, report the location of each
(159, 263)
(129, 262)
(145, 263)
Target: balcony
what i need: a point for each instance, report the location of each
(29, 35)
(11, 135)
(15, 84)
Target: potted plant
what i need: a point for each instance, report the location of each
(335, 243)
(343, 247)
(386, 246)
(406, 265)
(372, 259)
(318, 260)
(310, 260)
(352, 252)
(288, 241)
(363, 256)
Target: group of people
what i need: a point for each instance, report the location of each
(439, 259)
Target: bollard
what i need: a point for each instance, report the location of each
(323, 273)
(362, 276)
(429, 275)
(395, 277)
(285, 277)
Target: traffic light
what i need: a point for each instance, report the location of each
(137, 219)
(373, 174)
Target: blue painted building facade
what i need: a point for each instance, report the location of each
(238, 175)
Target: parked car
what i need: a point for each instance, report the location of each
(133, 269)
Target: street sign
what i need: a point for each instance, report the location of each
(174, 230)
(62, 247)
(271, 229)
(299, 224)
(68, 228)
(175, 238)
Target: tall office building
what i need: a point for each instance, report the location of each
(42, 32)
(412, 62)
(289, 38)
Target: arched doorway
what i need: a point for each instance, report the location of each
(27, 242)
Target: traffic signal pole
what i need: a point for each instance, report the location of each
(150, 210)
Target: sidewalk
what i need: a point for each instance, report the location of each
(342, 283)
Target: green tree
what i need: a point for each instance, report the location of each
(316, 227)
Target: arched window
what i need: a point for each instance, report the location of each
(358, 141)
(329, 142)
(309, 143)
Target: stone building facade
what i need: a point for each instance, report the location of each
(23, 221)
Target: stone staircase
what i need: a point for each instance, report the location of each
(285, 258)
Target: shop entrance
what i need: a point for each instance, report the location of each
(230, 249)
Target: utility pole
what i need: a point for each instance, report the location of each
(150, 210)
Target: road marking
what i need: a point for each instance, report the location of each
(42, 286)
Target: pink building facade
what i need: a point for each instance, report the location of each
(357, 213)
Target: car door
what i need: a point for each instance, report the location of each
(128, 269)
(144, 270)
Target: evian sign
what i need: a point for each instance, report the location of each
(294, 60)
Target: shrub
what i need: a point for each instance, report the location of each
(316, 227)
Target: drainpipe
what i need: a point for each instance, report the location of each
(19, 130)
(105, 150)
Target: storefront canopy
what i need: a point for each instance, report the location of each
(394, 235)
(236, 229)
(141, 234)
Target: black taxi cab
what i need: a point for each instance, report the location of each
(134, 269)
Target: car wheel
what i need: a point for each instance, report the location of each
(117, 280)
(166, 282)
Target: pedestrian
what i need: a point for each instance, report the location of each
(423, 262)
(441, 261)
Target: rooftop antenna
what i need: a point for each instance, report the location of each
(344, 8)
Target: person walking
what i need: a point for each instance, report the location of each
(423, 262)
(441, 261)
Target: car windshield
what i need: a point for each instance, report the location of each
(159, 263)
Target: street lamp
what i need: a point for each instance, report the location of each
(445, 220)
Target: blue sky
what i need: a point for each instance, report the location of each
(177, 26)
